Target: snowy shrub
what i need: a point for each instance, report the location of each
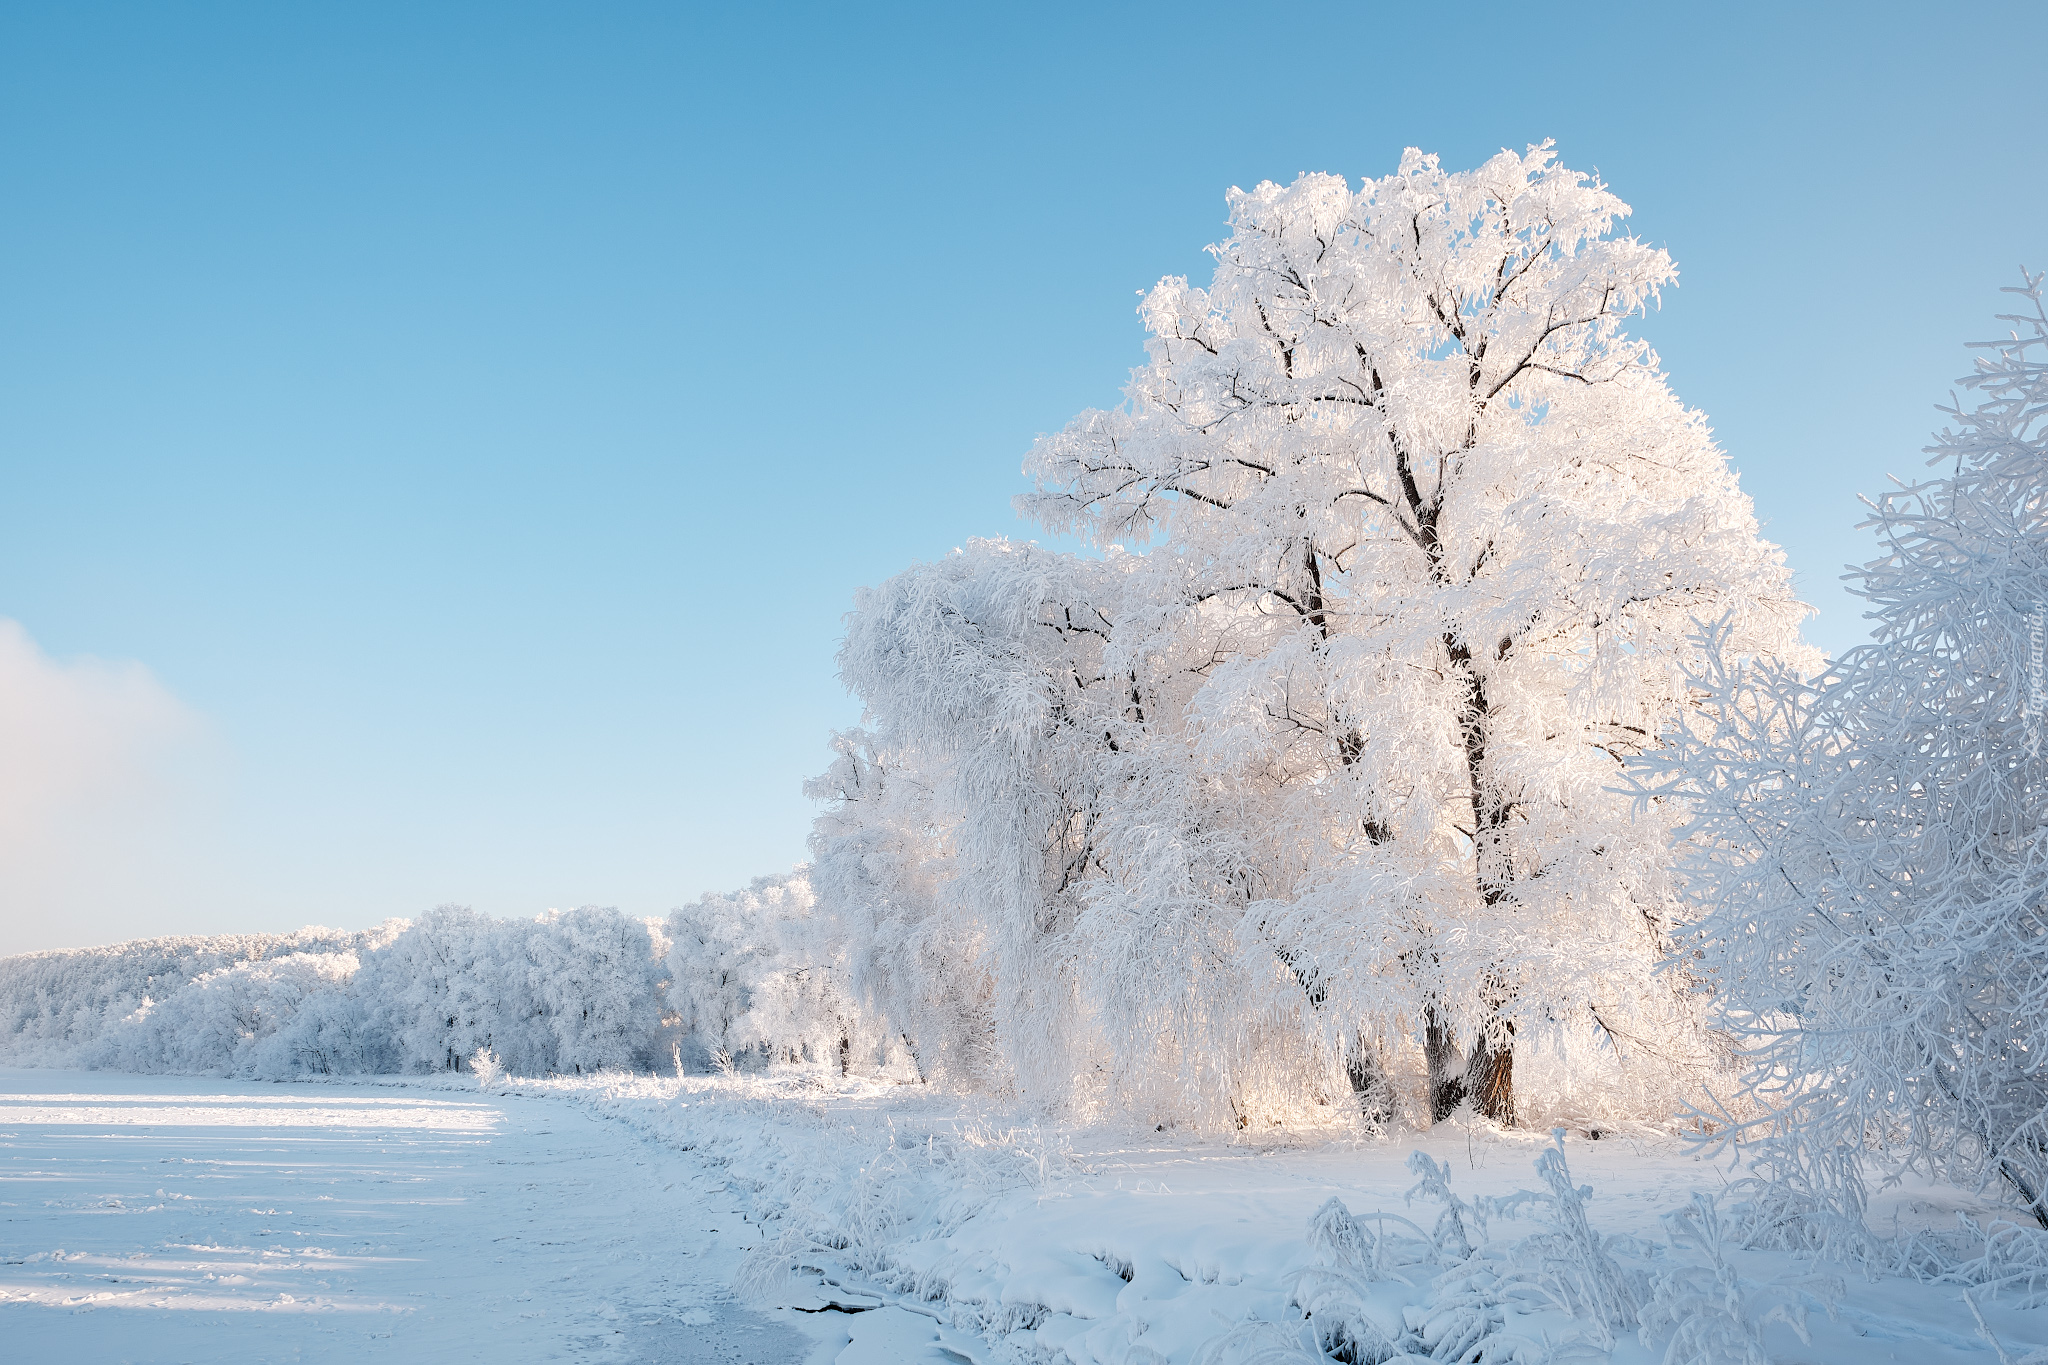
(1869, 842)
(1573, 1266)
(1377, 1295)
(1709, 1313)
(909, 1186)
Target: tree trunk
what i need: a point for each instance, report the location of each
(1370, 1085)
(1490, 1076)
(1440, 1051)
(1490, 1071)
(916, 1062)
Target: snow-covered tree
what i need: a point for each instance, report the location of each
(984, 674)
(566, 992)
(232, 1021)
(879, 869)
(1331, 758)
(1871, 840)
(711, 962)
(756, 977)
(1460, 528)
(596, 977)
(446, 989)
(61, 1008)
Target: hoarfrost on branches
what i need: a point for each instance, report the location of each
(1305, 786)
(1869, 841)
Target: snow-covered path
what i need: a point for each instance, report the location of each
(165, 1219)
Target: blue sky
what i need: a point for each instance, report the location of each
(477, 419)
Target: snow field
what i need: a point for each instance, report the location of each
(161, 1220)
(167, 1219)
(1101, 1247)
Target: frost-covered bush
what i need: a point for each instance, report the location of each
(1383, 1289)
(1870, 843)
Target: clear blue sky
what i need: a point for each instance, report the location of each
(481, 416)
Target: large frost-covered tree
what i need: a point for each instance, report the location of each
(1871, 841)
(594, 974)
(1417, 536)
(1461, 528)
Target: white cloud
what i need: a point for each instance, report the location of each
(99, 766)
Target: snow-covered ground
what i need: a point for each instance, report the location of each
(1109, 1247)
(154, 1219)
(166, 1219)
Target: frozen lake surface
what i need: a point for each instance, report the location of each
(166, 1219)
